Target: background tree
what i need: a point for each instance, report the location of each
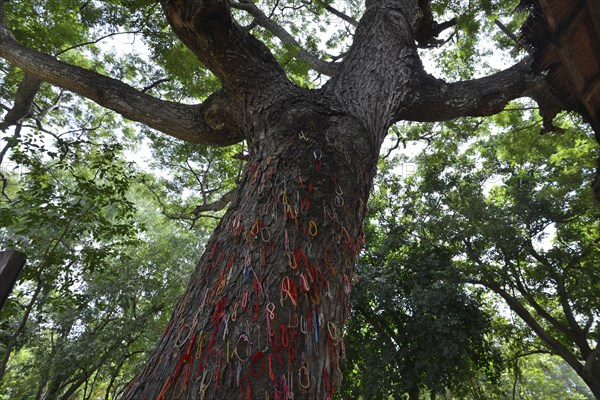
(514, 211)
(100, 272)
(414, 327)
(413, 330)
(293, 229)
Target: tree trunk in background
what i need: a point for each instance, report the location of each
(413, 394)
(263, 313)
(11, 264)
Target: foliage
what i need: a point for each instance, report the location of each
(412, 327)
(508, 213)
(103, 270)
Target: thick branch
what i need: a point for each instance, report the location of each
(380, 71)
(238, 59)
(26, 92)
(441, 101)
(591, 360)
(425, 28)
(322, 67)
(211, 123)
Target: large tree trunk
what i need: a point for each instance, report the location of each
(264, 311)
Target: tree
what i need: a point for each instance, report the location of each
(100, 271)
(413, 330)
(264, 310)
(414, 327)
(515, 214)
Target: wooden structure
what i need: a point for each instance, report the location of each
(564, 38)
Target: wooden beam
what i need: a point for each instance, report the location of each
(547, 12)
(11, 264)
(592, 88)
(566, 25)
(593, 7)
(571, 69)
(559, 31)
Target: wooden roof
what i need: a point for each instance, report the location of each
(564, 39)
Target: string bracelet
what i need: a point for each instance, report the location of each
(333, 331)
(292, 262)
(205, 384)
(181, 339)
(271, 374)
(288, 289)
(313, 295)
(285, 340)
(270, 317)
(295, 325)
(249, 352)
(312, 228)
(164, 389)
(234, 312)
(236, 225)
(168, 327)
(178, 392)
(316, 324)
(229, 354)
(258, 355)
(244, 300)
(265, 235)
(347, 287)
(306, 384)
(304, 283)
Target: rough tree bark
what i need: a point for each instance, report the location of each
(264, 311)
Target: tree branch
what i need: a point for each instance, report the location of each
(237, 58)
(576, 333)
(522, 312)
(217, 205)
(26, 92)
(541, 311)
(425, 28)
(215, 122)
(581, 336)
(342, 16)
(320, 66)
(483, 96)
(591, 360)
(381, 72)
(101, 38)
(154, 84)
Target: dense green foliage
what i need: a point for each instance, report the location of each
(482, 226)
(104, 268)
